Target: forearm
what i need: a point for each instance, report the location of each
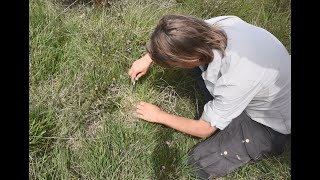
(199, 128)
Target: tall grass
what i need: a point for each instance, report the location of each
(81, 97)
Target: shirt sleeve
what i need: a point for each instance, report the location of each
(232, 94)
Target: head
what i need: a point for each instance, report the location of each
(185, 42)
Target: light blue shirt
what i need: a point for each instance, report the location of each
(254, 76)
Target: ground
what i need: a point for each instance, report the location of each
(81, 98)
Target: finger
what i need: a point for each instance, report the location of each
(132, 75)
(139, 106)
(140, 111)
(140, 116)
(137, 115)
(139, 75)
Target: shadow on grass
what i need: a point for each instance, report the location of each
(165, 156)
(183, 82)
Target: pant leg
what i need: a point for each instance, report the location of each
(242, 141)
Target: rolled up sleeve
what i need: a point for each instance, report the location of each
(231, 99)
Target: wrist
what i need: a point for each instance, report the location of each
(160, 117)
(147, 58)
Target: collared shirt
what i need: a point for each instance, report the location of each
(254, 76)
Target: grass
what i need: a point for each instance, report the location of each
(81, 99)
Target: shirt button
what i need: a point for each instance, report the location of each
(247, 140)
(225, 152)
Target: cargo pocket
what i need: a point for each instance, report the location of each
(232, 147)
(256, 139)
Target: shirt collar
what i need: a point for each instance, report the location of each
(214, 68)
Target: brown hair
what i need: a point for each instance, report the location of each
(184, 41)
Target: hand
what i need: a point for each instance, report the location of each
(140, 67)
(148, 112)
